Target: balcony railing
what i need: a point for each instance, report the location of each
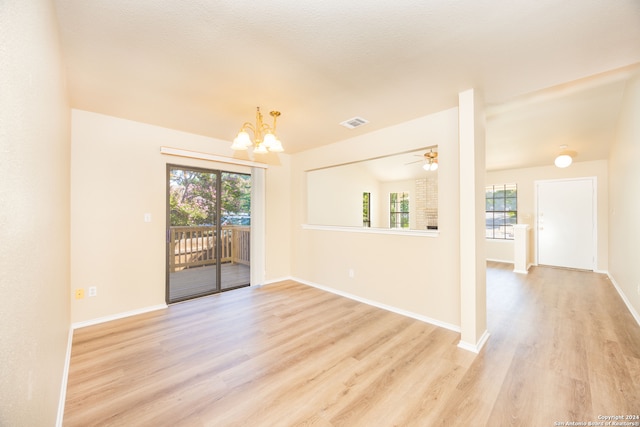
(196, 246)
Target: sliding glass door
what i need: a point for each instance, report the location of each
(208, 231)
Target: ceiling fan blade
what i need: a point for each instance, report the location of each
(410, 163)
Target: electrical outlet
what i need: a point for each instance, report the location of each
(352, 273)
(79, 293)
(638, 289)
(93, 291)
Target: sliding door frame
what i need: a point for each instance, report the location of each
(218, 229)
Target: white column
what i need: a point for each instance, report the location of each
(258, 225)
(473, 304)
(521, 248)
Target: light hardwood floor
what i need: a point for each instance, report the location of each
(563, 347)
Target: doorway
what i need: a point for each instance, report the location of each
(566, 219)
(208, 232)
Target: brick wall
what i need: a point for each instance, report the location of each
(426, 202)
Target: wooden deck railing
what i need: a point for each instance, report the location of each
(196, 246)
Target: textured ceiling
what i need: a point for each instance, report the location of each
(202, 66)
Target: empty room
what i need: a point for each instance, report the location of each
(230, 213)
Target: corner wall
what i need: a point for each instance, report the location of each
(34, 214)
(117, 176)
(417, 274)
(624, 204)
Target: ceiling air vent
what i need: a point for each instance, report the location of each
(354, 123)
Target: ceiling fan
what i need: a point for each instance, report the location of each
(430, 160)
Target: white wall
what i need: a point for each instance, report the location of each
(413, 273)
(278, 232)
(624, 204)
(337, 194)
(525, 179)
(118, 175)
(34, 214)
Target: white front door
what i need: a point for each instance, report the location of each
(566, 223)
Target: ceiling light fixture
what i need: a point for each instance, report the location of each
(264, 136)
(430, 165)
(430, 161)
(565, 158)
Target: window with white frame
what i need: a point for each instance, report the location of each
(399, 210)
(501, 203)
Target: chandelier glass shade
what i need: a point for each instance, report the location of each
(264, 135)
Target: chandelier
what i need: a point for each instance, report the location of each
(264, 136)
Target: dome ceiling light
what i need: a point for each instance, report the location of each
(565, 157)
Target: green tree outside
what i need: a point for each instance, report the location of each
(192, 196)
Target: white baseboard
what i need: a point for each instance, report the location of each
(632, 310)
(281, 279)
(392, 309)
(504, 261)
(116, 316)
(523, 271)
(475, 348)
(65, 378)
